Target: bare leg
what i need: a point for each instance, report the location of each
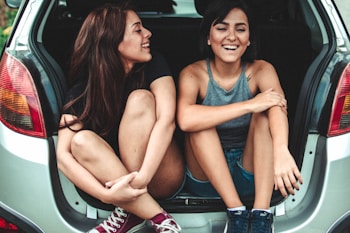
(170, 174)
(134, 132)
(135, 128)
(93, 153)
(258, 158)
(206, 161)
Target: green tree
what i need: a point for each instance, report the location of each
(7, 17)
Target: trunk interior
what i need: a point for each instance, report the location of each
(282, 37)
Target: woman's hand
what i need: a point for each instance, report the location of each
(267, 99)
(120, 189)
(140, 181)
(287, 175)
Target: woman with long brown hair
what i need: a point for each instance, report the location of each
(115, 140)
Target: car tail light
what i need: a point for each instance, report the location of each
(340, 116)
(20, 108)
(7, 227)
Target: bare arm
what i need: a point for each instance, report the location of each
(286, 172)
(194, 117)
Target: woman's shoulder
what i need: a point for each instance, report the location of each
(259, 66)
(195, 69)
(260, 63)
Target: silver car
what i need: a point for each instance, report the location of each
(306, 40)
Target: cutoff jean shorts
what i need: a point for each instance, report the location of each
(243, 180)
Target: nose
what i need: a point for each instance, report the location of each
(147, 33)
(231, 34)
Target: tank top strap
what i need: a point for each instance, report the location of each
(243, 68)
(210, 74)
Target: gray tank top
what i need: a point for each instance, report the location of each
(233, 134)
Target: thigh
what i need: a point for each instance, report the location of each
(248, 153)
(204, 154)
(135, 128)
(258, 132)
(97, 156)
(169, 177)
(86, 144)
(191, 161)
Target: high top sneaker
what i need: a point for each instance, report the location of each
(120, 221)
(165, 223)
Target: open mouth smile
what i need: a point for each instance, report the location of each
(230, 47)
(146, 45)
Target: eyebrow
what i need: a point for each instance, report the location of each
(136, 24)
(225, 23)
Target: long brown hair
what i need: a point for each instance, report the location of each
(96, 61)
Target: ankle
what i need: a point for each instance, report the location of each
(260, 209)
(237, 208)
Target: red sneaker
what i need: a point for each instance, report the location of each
(119, 221)
(165, 223)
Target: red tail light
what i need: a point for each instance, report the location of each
(7, 227)
(19, 102)
(340, 116)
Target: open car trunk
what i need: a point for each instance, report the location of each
(283, 37)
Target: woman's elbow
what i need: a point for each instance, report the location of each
(171, 126)
(183, 123)
(167, 123)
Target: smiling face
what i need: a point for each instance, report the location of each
(229, 38)
(135, 47)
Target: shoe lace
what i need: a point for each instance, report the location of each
(168, 225)
(112, 222)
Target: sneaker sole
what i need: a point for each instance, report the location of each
(225, 230)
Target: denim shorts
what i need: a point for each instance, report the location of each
(243, 180)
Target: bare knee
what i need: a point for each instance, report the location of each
(140, 103)
(81, 145)
(261, 122)
(202, 135)
(81, 139)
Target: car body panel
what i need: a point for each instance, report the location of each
(33, 190)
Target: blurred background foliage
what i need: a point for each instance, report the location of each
(7, 15)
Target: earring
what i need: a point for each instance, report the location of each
(248, 43)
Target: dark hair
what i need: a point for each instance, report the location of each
(216, 12)
(96, 61)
